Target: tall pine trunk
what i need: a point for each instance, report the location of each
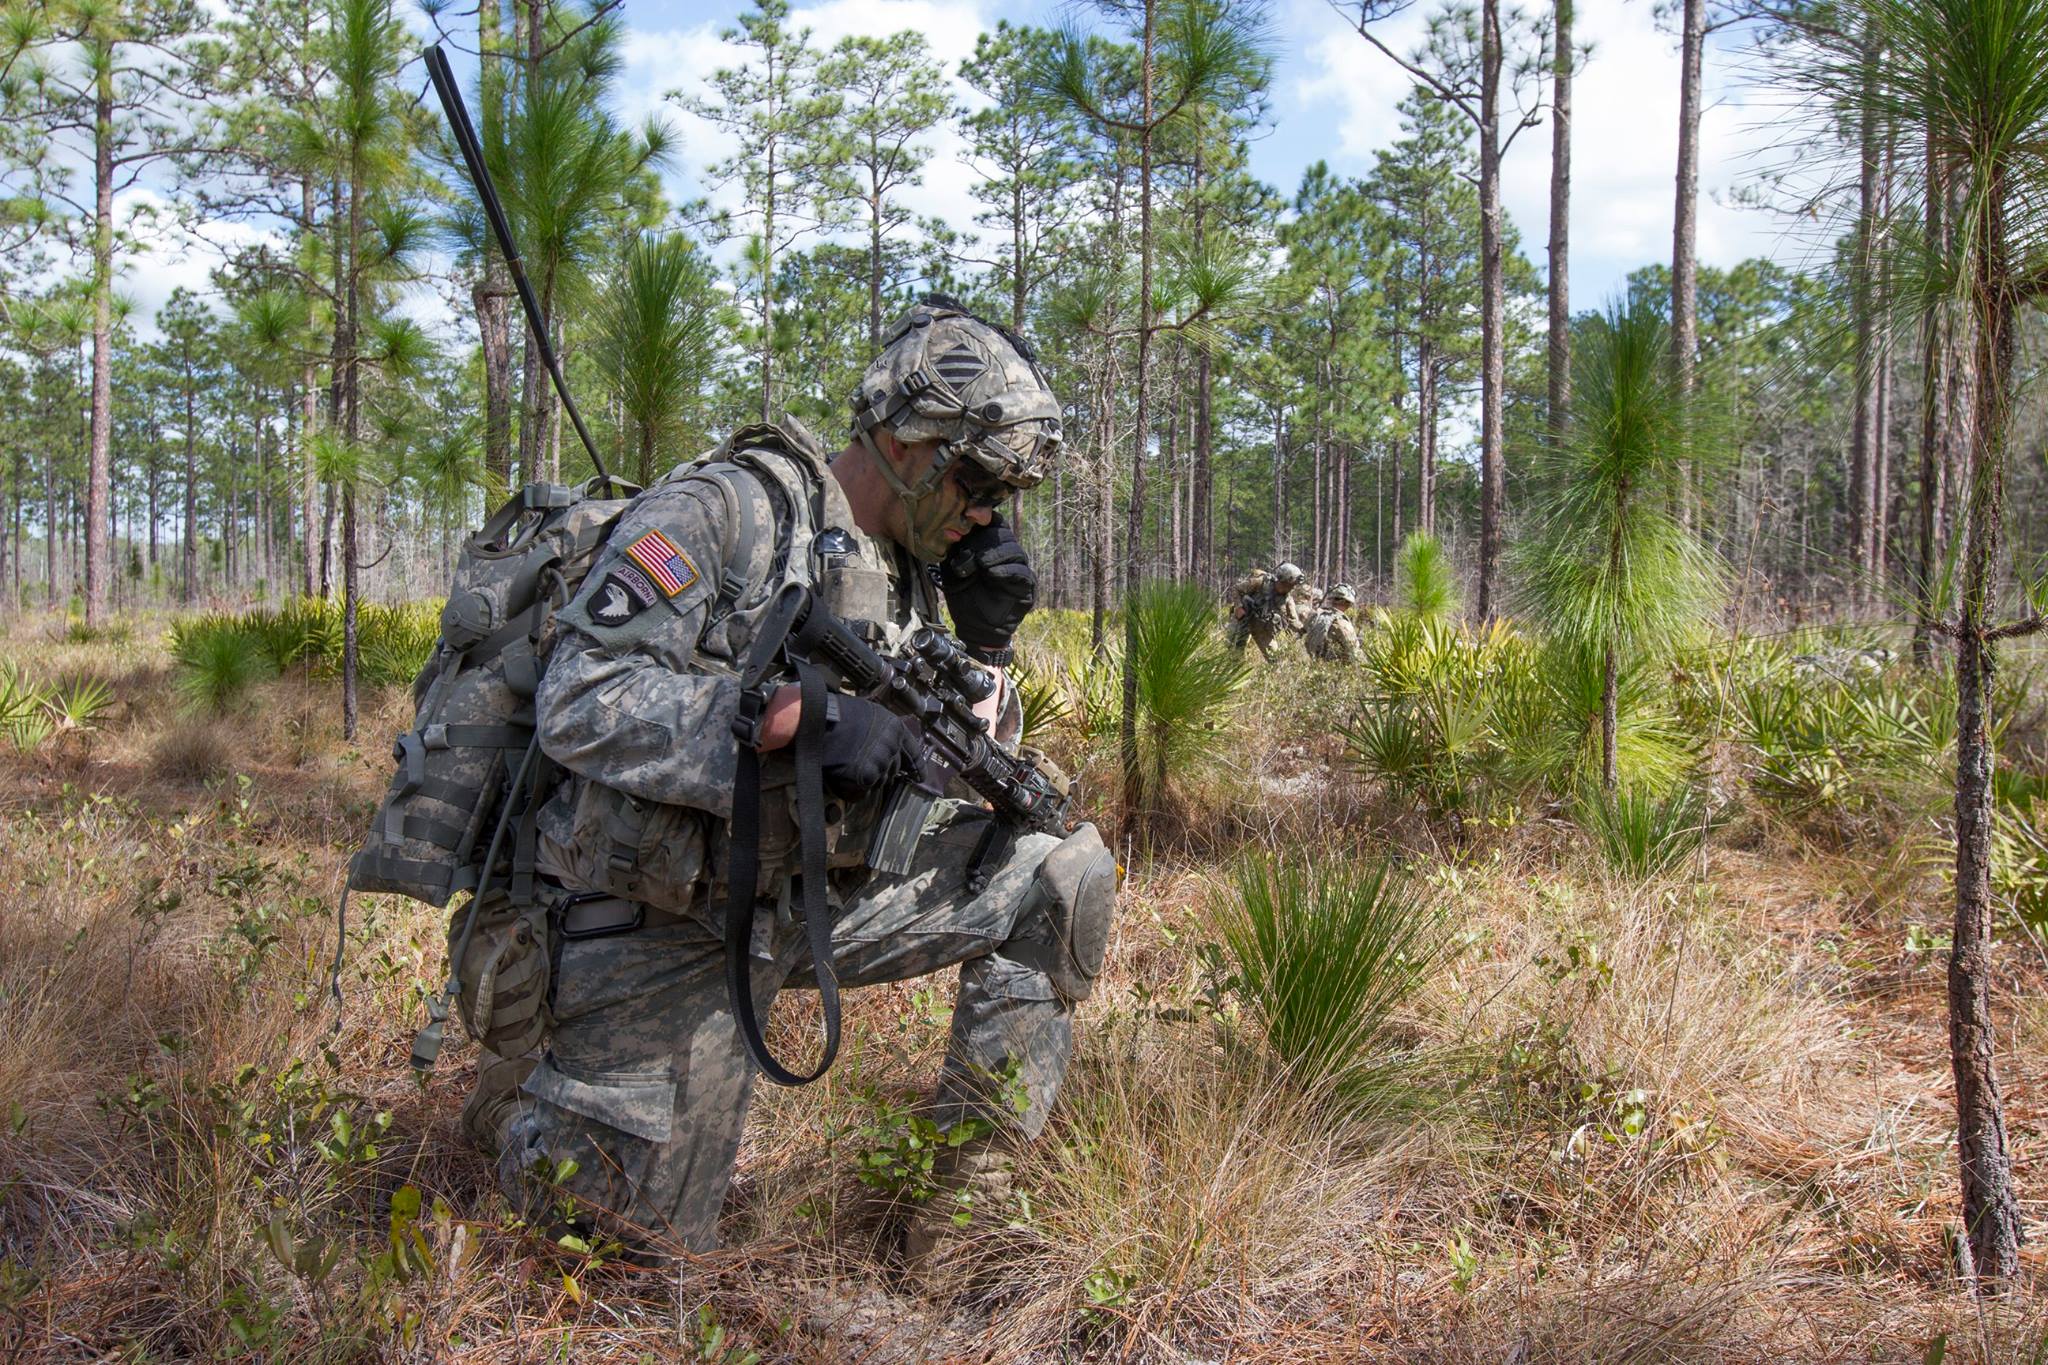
(1862, 439)
(1685, 220)
(1128, 730)
(1991, 1216)
(1425, 438)
(1492, 314)
(1937, 400)
(99, 490)
(188, 554)
(874, 261)
(1279, 482)
(1559, 348)
(767, 356)
(351, 418)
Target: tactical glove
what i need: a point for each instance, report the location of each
(866, 746)
(990, 587)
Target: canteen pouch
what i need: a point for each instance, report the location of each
(504, 982)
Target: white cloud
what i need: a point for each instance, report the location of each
(1624, 147)
(167, 255)
(682, 59)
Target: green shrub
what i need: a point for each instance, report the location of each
(1322, 953)
(1039, 698)
(219, 659)
(1432, 724)
(1187, 683)
(1641, 836)
(1846, 755)
(25, 720)
(393, 643)
(2019, 844)
(305, 631)
(116, 632)
(1553, 731)
(78, 702)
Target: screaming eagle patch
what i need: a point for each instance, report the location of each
(669, 566)
(624, 594)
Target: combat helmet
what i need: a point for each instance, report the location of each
(946, 375)
(1287, 575)
(1342, 595)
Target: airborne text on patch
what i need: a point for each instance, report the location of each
(668, 565)
(624, 594)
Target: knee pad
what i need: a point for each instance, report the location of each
(1076, 889)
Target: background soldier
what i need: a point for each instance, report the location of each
(1330, 636)
(1268, 604)
(644, 1083)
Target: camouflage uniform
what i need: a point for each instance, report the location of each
(1330, 636)
(645, 1081)
(1267, 609)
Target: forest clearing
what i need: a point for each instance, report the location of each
(541, 539)
(1703, 1114)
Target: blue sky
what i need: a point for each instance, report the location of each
(1333, 99)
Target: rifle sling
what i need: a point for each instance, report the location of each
(744, 868)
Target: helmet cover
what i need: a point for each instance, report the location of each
(945, 375)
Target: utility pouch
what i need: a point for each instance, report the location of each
(504, 984)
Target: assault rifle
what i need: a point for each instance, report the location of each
(931, 682)
(935, 684)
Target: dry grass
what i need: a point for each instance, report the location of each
(1707, 1120)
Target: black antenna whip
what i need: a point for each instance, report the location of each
(473, 160)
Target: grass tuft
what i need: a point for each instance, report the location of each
(1322, 953)
(1641, 836)
(218, 663)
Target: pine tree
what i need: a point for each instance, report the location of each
(115, 85)
(887, 94)
(1470, 59)
(1432, 271)
(770, 105)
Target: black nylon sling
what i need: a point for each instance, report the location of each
(744, 869)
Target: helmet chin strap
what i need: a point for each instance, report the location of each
(908, 494)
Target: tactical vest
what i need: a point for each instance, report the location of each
(595, 838)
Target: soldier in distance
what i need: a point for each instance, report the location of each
(1267, 604)
(1330, 636)
(641, 1091)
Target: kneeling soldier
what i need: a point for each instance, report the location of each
(642, 1091)
(1330, 636)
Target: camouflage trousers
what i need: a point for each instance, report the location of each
(645, 1082)
(1242, 628)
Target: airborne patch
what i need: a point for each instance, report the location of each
(668, 565)
(624, 594)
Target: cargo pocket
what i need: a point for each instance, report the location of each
(1006, 977)
(639, 1103)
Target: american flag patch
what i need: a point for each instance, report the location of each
(666, 564)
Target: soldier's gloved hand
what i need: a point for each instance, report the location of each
(989, 585)
(866, 746)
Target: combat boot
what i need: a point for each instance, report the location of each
(974, 1183)
(495, 1100)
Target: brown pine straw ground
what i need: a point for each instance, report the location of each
(1721, 1132)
